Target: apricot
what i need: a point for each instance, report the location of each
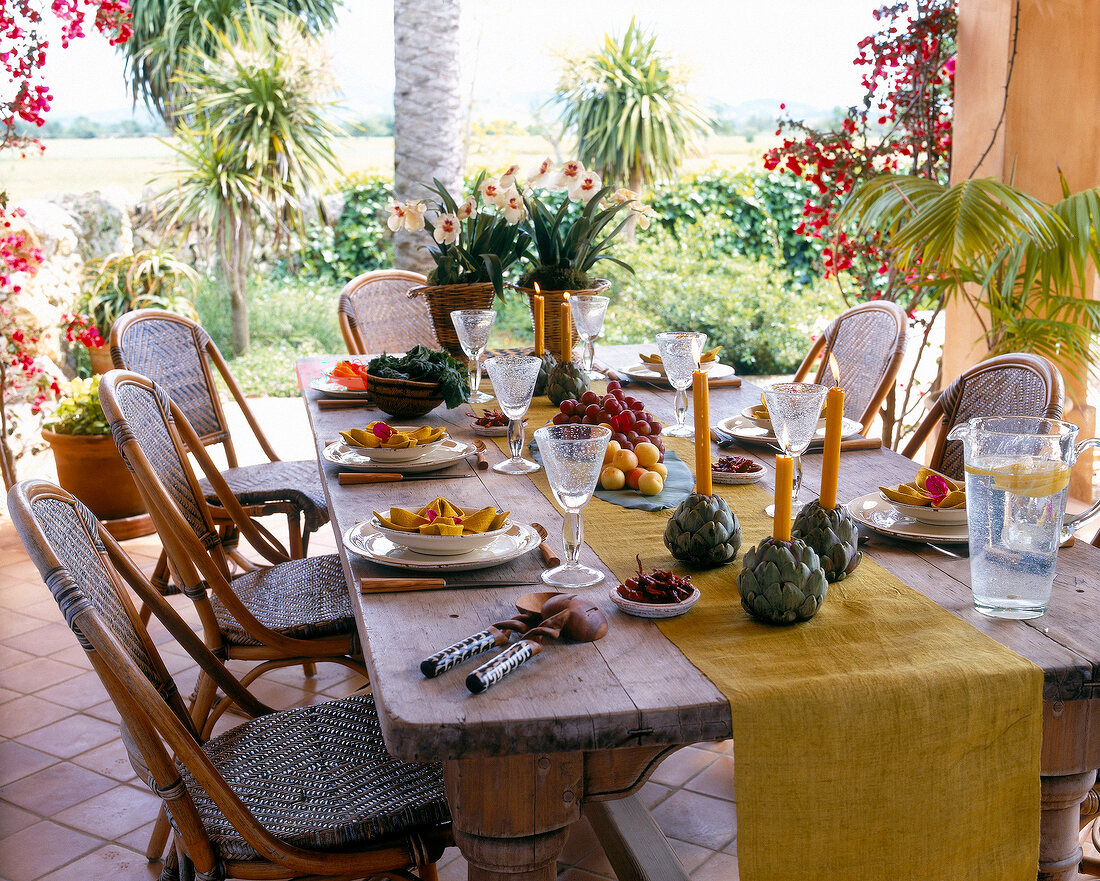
(612, 478)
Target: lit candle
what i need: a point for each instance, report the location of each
(566, 354)
(537, 312)
(701, 401)
(784, 487)
(830, 464)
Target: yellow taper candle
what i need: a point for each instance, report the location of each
(566, 353)
(701, 401)
(830, 464)
(539, 316)
(784, 486)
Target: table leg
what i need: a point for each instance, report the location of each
(512, 814)
(1059, 849)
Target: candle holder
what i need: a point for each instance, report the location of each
(703, 531)
(782, 582)
(834, 536)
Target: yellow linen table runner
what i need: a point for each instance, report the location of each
(883, 739)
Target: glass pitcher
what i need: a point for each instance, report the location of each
(1017, 481)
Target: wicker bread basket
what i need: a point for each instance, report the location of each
(403, 397)
(444, 299)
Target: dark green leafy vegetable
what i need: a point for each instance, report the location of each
(421, 364)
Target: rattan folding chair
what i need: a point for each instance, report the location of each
(302, 793)
(868, 342)
(376, 314)
(177, 354)
(1007, 385)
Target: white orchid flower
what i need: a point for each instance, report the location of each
(568, 174)
(467, 209)
(543, 175)
(414, 215)
(622, 194)
(446, 229)
(508, 179)
(585, 187)
(513, 208)
(641, 214)
(397, 215)
(492, 191)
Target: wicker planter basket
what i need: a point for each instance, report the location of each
(403, 397)
(444, 299)
(551, 306)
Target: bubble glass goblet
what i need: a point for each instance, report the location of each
(794, 409)
(680, 354)
(513, 378)
(473, 327)
(588, 312)
(573, 456)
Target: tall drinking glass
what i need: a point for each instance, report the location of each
(473, 327)
(513, 378)
(794, 409)
(680, 354)
(573, 456)
(588, 312)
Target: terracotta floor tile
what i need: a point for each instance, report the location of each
(109, 760)
(71, 736)
(9, 656)
(19, 569)
(112, 813)
(73, 654)
(580, 843)
(43, 641)
(55, 788)
(575, 874)
(720, 867)
(717, 780)
(682, 765)
(45, 610)
(107, 712)
(6, 694)
(28, 713)
(595, 862)
(36, 674)
(698, 819)
(720, 746)
(41, 848)
(12, 819)
(455, 870)
(138, 839)
(15, 623)
(80, 692)
(16, 594)
(652, 794)
(18, 761)
(111, 863)
(691, 855)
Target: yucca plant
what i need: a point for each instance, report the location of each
(148, 279)
(1023, 264)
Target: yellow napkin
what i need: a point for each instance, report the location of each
(928, 488)
(441, 517)
(380, 435)
(709, 355)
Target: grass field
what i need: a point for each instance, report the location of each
(76, 166)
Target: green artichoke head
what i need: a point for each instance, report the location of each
(565, 380)
(703, 531)
(782, 581)
(833, 534)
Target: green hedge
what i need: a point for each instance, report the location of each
(359, 240)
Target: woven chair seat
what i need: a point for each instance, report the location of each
(305, 599)
(296, 482)
(319, 777)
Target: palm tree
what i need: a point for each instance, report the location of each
(256, 142)
(633, 119)
(170, 35)
(427, 111)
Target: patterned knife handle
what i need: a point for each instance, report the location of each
(463, 650)
(495, 669)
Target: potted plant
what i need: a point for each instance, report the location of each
(474, 247)
(88, 463)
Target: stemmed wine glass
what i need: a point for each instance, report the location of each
(513, 378)
(472, 327)
(680, 354)
(573, 455)
(588, 312)
(794, 409)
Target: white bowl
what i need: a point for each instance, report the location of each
(928, 514)
(705, 366)
(439, 545)
(405, 454)
(766, 424)
(654, 610)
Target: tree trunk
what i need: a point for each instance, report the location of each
(427, 112)
(235, 250)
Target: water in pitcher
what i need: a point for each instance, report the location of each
(1015, 507)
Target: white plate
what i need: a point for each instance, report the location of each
(350, 458)
(874, 512)
(643, 373)
(744, 430)
(928, 514)
(767, 423)
(731, 478)
(654, 610)
(326, 386)
(437, 545)
(705, 366)
(516, 541)
(403, 455)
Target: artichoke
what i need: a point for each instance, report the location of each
(703, 531)
(547, 365)
(782, 581)
(833, 535)
(566, 380)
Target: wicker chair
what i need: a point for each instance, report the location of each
(376, 315)
(176, 353)
(1007, 385)
(312, 789)
(868, 342)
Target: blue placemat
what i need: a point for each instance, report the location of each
(678, 486)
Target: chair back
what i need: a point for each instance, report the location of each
(868, 342)
(1017, 384)
(377, 315)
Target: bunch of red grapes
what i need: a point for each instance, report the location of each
(625, 416)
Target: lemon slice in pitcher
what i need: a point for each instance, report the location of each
(1032, 477)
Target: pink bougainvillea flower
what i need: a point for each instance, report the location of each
(936, 487)
(382, 431)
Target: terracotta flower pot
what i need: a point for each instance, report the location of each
(551, 307)
(91, 468)
(101, 359)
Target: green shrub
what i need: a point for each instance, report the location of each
(359, 241)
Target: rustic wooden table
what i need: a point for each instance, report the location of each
(585, 730)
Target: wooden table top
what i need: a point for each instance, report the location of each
(633, 687)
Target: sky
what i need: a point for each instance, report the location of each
(732, 50)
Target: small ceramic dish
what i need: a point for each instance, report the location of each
(764, 422)
(439, 545)
(928, 514)
(494, 430)
(654, 610)
(736, 478)
(403, 454)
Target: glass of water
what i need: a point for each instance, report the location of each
(513, 378)
(680, 354)
(473, 327)
(588, 312)
(794, 409)
(573, 456)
